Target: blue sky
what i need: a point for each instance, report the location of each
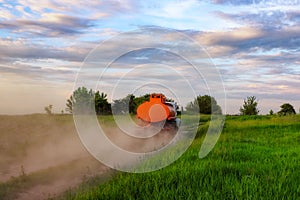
(253, 43)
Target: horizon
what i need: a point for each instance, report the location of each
(253, 44)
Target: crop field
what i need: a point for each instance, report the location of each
(255, 158)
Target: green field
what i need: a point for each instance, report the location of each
(255, 158)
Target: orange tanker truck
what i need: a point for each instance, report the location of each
(157, 110)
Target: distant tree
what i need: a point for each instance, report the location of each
(124, 105)
(69, 104)
(249, 106)
(287, 109)
(101, 104)
(271, 112)
(132, 104)
(120, 106)
(48, 109)
(205, 105)
(192, 106)
(82, 101)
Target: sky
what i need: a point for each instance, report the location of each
(253, 45)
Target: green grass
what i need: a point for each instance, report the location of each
(255, 158)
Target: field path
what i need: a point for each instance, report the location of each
(62, 178)
(42, 156)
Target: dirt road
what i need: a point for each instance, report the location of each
(42, 156)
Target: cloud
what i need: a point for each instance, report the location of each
(52, 18)
(5, 14)
(249, 39)
(256, 50)
(60, 73)
(50, 25)
(21, 49)
(267, 19)
(81, 7)
(268, 29)
(221, 37)
(277, 59)
(255, 2)
(235, 2)
(39, 61)
(268, 89)
(293, 16)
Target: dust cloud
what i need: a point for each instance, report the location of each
(48, 152)
(139, 145)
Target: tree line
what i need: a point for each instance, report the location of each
(83, 99)
(250, 108)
